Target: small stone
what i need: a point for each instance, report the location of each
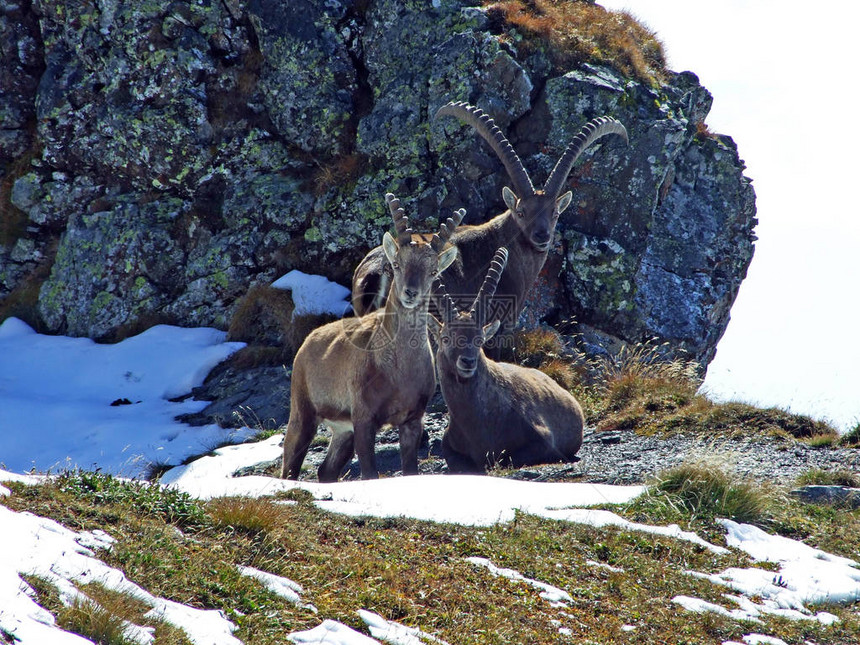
(842, 495)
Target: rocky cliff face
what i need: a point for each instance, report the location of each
(160, 157)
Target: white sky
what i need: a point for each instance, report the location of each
(783, 77)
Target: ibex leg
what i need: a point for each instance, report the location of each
(365, 438)
(457, 461)
(410, 438)
(297, 439)
(340, 451)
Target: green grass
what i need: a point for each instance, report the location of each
(416, 573)
(148, 499)
(698, 492)
(837, 477)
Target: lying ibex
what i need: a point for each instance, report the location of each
(500, 413)
(526, 228)
(359, 374)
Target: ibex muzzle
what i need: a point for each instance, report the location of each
(360, 374)
(498, 412)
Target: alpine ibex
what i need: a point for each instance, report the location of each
(359, 374)
(500, 413)
(526, 228)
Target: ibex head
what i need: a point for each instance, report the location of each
(535, 211)
(461, 334)
(417, 263)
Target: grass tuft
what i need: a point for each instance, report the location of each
(821, 477)
(851, 439)
(264, 319)
(563, 373)
(575, 32)
(537, 346)
(704, 490)
(89, 619)
(338, 172)
(642, 383)
(250, 514)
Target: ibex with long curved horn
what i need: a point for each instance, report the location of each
(359, 374)
(526, 228)
(500, 413)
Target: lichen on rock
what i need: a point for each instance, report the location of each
(189, 151)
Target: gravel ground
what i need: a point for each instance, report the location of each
(617, 457)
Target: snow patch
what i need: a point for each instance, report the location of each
(315, 294)
(555, 596)
(806, 576)
(40, 547)
(278, 585)
(105, 406)
(394, 633)
(331, 632)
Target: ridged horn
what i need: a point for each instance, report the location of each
(444, 302)
(487, 128)
(440, 239)
(401, 222)
(590, 132)
(488, 289)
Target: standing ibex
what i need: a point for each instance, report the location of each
(500, 413)
(359, 374)
(526, 228)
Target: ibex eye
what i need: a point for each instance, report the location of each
(395, 265)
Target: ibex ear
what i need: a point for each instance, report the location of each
(446, 258)
(510, 198)
(434, 326)
(491, 329)
(389, 246)
(563, 202)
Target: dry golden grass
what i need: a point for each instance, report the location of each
(263, 309)
(264, 319)
(103, 615)
(574, 32)
(563, 373)
(642, 382)
(91, 620)
(250, 514)
(537, 346)
(338, 171)
(703, 131)
(648, 389)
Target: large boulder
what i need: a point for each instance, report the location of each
(187, 151)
